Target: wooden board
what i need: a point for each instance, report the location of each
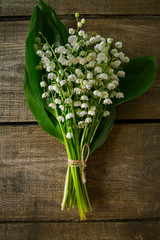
(81, 231)
(123, 175)
(102, 7)
(140, 37)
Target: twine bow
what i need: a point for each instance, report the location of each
(82, 162)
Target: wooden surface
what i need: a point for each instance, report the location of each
(123, 175)
(102, 7)
(84, 231)
(33, 167)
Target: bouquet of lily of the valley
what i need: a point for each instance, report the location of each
(73, 81)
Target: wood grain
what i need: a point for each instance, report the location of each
(123, 175)
(109, 7)
(81, 231)
(139, 37)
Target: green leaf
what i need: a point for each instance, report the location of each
(103, 131)
(140, 75)
(43, 20)
(52, 18)
(51, 127)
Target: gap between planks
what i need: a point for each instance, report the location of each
(91, 16)
(154, 219)
(117, 121)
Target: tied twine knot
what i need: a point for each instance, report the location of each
(82, 162)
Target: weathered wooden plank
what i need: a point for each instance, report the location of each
(25, 8)
(139, 37)
(123, 175)
(82, 231)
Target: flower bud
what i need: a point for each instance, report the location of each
(35, 46)
(38, 67)
(79, 24)
(37, 39)
(76, 14)
(83, 21)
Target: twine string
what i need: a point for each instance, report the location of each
(82, 162)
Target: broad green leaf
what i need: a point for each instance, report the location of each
(103, 131)
(140, 75)
(49, 14)
(43, 20)
(51, 127)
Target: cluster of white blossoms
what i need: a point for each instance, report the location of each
(82, 77)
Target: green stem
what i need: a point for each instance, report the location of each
(95, 129)
(65, 195)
